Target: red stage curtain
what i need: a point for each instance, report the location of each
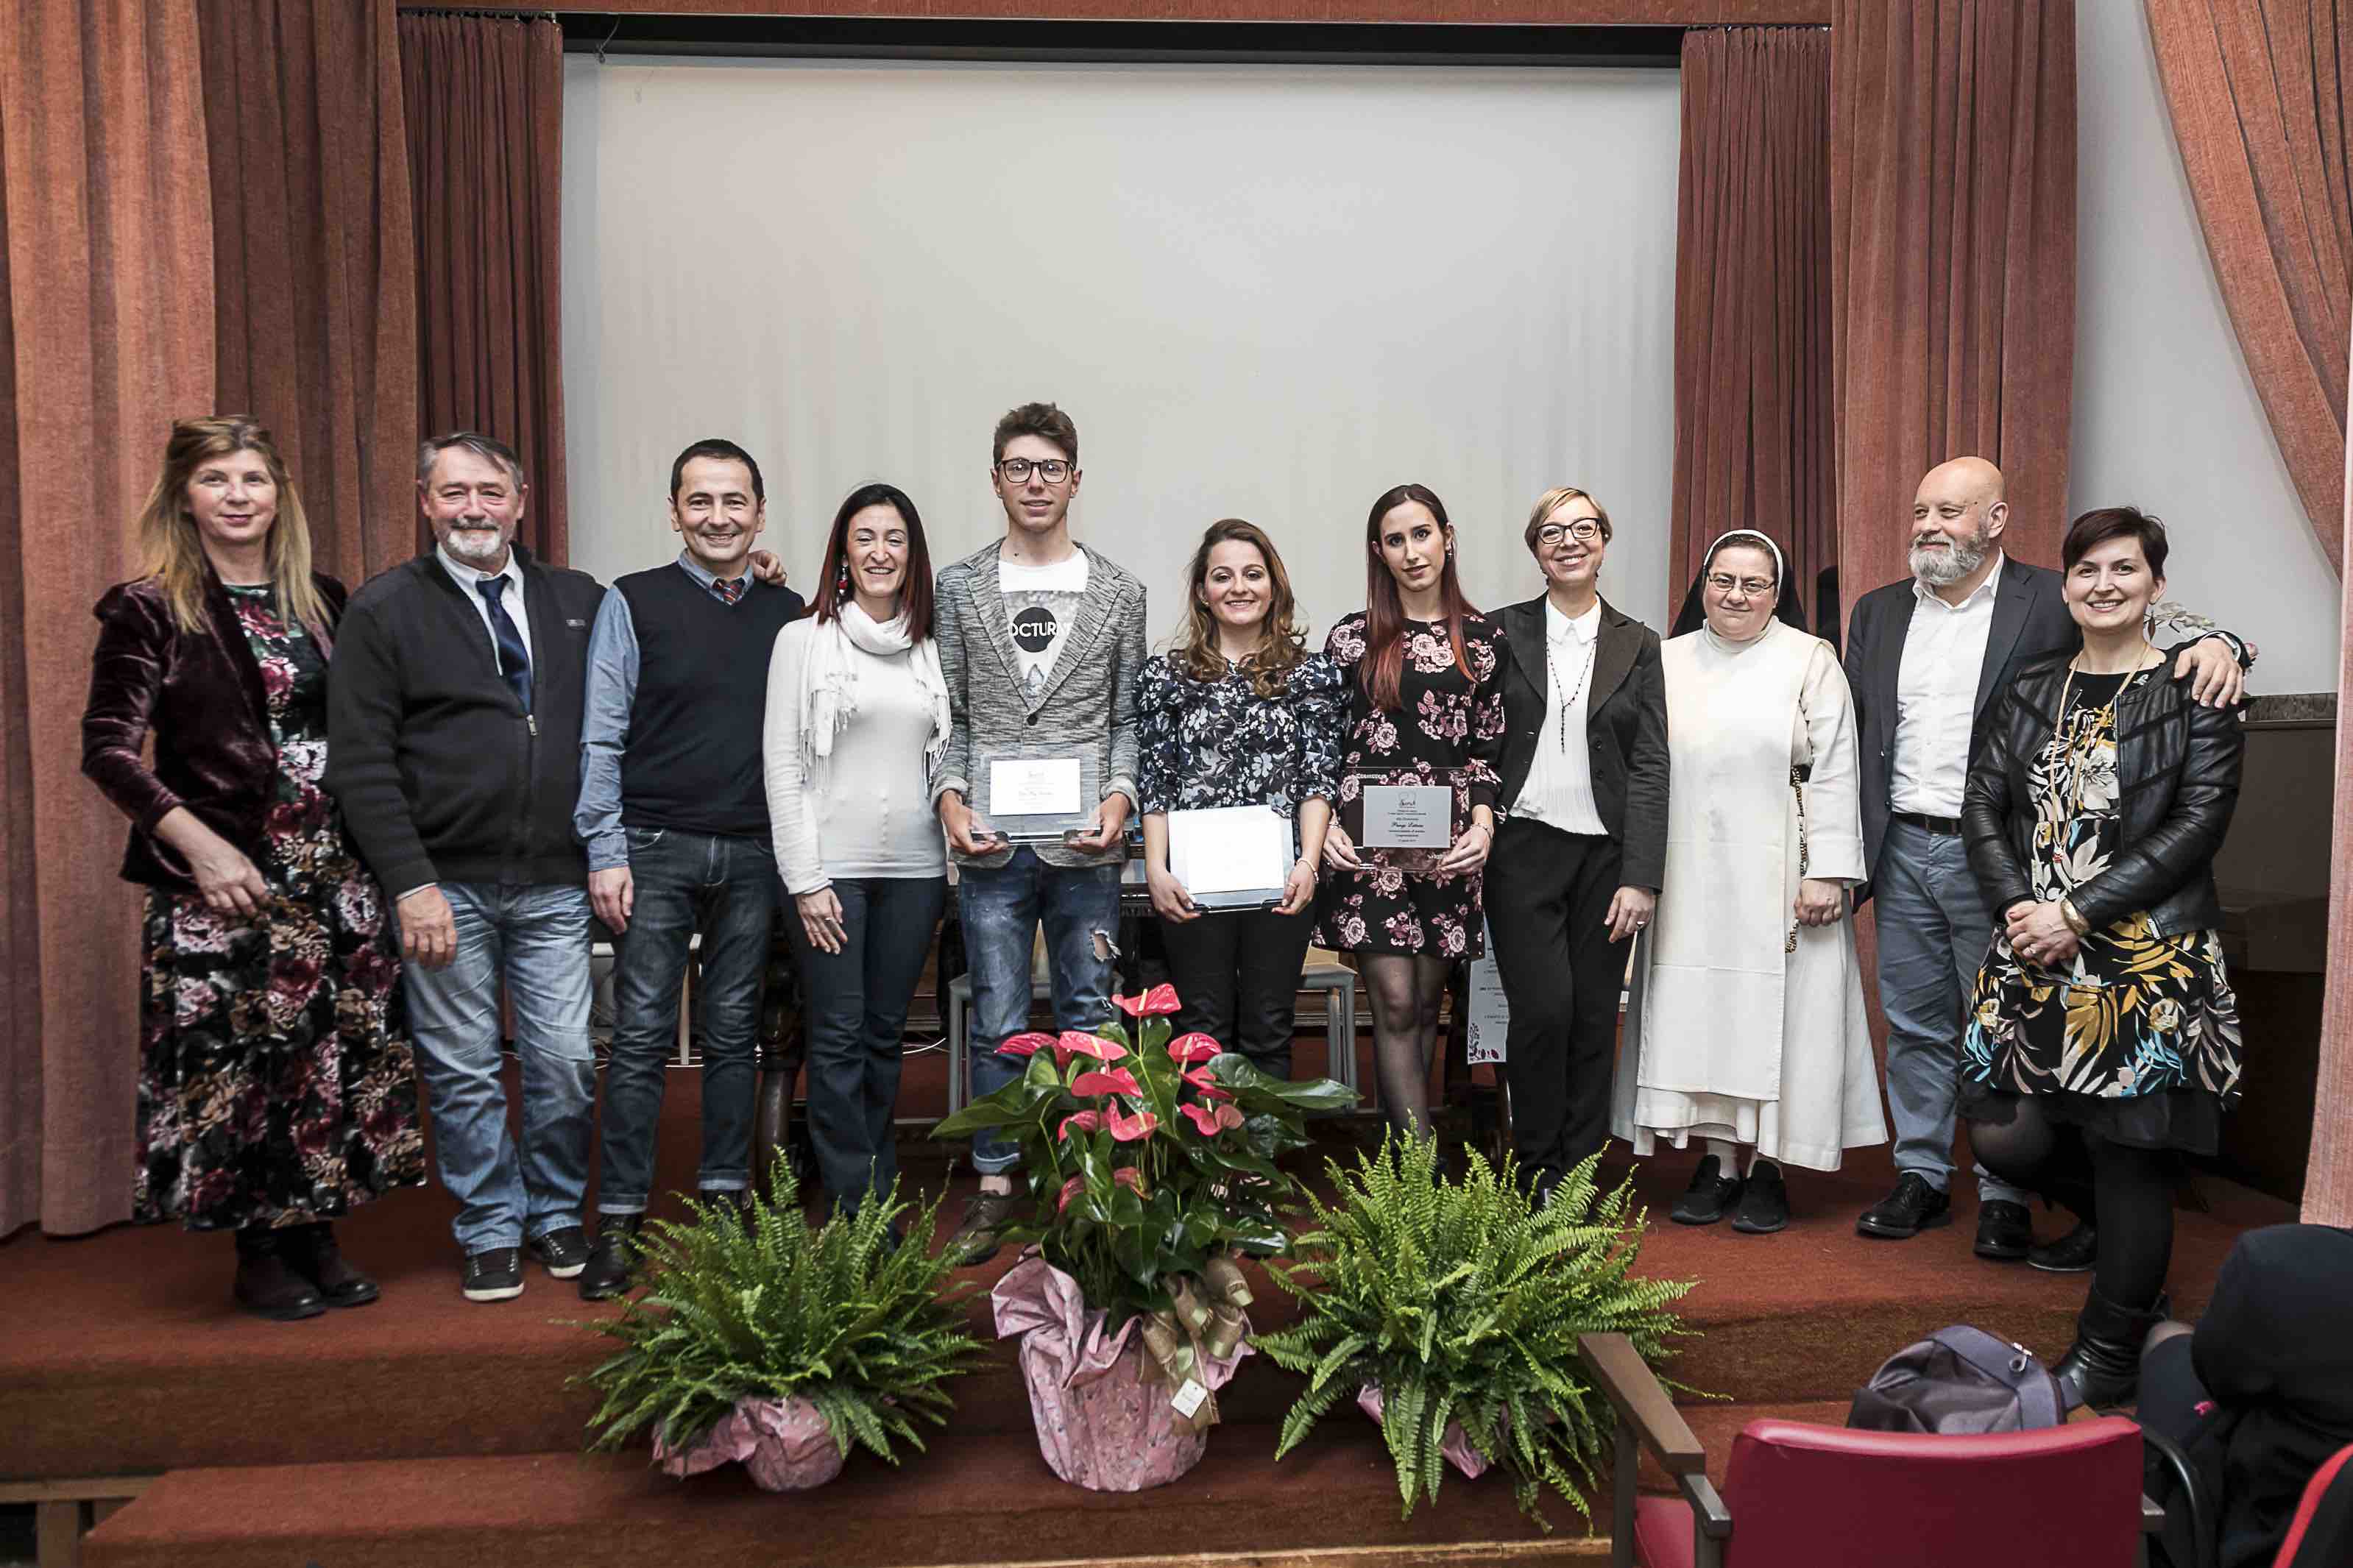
(107, 326)
(485, 105)
(315, 260)
(1953, 262)
(1753, 443)
(2329, 1168)
(2257, 93)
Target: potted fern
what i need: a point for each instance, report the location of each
(780, 1345)
(1150, 1161)
(1449, 1310)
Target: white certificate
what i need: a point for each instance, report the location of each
(1490, 1012)
(1028, 786)
(1230, 849)
(1408, 817)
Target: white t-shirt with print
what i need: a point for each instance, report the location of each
(1039, 602)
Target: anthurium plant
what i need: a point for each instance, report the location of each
(1146, 1156)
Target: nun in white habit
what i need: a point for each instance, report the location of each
(1745, 1029)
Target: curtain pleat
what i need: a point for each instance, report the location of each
(2328, 1167)
(2257, 93)
(1953, 262)
(485, 113)
(104, 200)
(1753, 445)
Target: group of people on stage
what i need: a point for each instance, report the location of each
(367, 820)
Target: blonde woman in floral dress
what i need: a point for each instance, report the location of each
(2103, 1033)
(277, 1091)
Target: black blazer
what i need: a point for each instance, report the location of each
(1625, 729)
(2030, 619)
(2176, 784)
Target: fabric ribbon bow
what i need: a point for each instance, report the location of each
(1203, 1322)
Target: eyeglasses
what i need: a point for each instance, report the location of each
(1017, 471)
(1585, 530)
(1753, 587)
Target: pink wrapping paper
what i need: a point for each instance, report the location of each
(1100, 1424)
(1453, 1442)
(784, 1444)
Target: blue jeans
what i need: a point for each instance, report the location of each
(1002, 908)
(534, 938)
(1934, 931)
(857, 1016)
(681, 880)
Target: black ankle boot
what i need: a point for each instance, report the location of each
(267, 1285)
(2101, 1368)
(312, 1251)
(612, 1257)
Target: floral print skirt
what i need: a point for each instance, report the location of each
(277, 1084)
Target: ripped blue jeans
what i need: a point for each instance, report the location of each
(1002, 908)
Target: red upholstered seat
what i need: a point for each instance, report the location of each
(2321, 1535)
(1823, 1497)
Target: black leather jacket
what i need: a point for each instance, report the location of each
(2177, 781)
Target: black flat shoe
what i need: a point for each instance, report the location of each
(1913, 1206)
(2005, 1231)
(1710, 1195)
(613, 1260)
(2074, 1253)
(1764, 1205)
(267, 1285)
(312, 1252)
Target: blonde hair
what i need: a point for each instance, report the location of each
(1279, 649)
(1555, 497)
(173, 553)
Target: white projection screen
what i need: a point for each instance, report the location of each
(1262, 292)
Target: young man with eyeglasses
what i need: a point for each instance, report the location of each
(1041, 644)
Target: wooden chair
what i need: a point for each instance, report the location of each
(1799, 1495)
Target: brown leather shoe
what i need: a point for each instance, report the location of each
(312, 1251)
(267, 1285)
(975, 1240)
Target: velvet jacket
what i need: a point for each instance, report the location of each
(199, 695)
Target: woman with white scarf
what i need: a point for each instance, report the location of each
(857, 712)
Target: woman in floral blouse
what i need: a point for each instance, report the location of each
(2104, 1032)
(1240, 714)
(1425, 674)
(277, 1089)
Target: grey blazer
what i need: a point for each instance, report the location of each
(1089, 700)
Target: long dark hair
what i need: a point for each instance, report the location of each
(833, 588)
(1382, 671)
(1279, 638)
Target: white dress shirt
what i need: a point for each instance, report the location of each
(1559, 788)
(465, 576)
(1937, 696)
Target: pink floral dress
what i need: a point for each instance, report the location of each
(277, 1084)
(1448, 727)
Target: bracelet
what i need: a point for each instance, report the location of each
(2074, 918)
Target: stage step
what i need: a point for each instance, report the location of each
(974, 1498)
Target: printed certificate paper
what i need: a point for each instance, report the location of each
(1230, 849)
(1028, 786)
(1408, 816)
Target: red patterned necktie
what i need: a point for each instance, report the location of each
(728, 589)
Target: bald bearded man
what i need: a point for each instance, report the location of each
(1925, 657)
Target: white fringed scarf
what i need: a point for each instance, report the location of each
(832, 701)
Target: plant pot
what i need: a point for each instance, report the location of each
(1453, 1442)
(1101, 1424)
(784, 1443)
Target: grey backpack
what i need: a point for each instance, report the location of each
(1958, 1379)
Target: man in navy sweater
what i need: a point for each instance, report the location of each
(674, 810)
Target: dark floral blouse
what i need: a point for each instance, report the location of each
(1217, 743)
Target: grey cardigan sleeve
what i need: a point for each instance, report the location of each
(954, 770)
(1127, 715)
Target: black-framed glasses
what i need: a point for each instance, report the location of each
(1017, 471)
(1585, 530)
(1753, 588)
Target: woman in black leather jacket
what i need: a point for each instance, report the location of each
(2104, 1032)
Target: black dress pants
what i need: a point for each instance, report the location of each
(1547, 896)
(1237, 979)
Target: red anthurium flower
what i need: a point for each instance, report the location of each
(1084, 1120)
(1128, 1128)
(1199, 1078)
(1156, 1003)
(1207, 1120)
(1075, 1043)
(1118, 1080)
(1128, 1177)
(1070, 1189)
(1024, 1045)
(1191, 1050)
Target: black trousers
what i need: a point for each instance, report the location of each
(1237, 979)
(1548, 893)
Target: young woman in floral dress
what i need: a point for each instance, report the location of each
(277, 1089)
(1425, 671)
